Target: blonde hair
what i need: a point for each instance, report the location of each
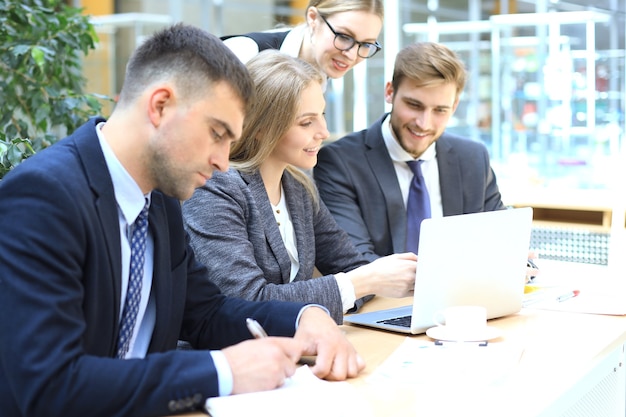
(279, 81)
(331, 7)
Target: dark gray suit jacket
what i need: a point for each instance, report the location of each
(357, 181)
(247, 255)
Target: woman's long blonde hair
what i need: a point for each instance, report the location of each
(279, 81)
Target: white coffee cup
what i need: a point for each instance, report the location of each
(462, 319)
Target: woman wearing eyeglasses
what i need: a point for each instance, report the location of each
(337, 35)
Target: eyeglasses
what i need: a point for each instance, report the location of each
(345, 42)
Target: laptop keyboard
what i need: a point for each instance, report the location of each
(404, 321)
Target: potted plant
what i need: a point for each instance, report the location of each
(42, 46)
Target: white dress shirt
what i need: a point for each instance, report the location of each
(130, 202)
(287, 232)
(430, 169)
(245, 48)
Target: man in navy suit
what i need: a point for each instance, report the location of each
(66, 217)
(364, 179)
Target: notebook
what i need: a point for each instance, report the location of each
(468, 259)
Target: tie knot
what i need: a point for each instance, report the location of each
(416, 166)
(142, 219)
(144, 210)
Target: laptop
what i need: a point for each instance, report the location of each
(469, 259)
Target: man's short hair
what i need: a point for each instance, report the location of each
(429, 63)
(189, 57)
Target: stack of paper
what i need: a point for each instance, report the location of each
(303, 395)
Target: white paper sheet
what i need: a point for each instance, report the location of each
(607, 299)
(422, 362)
(303, 395)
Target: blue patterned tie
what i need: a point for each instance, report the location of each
(417, 207)
(133, 294)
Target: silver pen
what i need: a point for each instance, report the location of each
(255, 328)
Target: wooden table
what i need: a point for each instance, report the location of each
(565, 357)
(571, 364)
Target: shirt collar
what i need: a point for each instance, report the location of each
(128, 195)
(293, 41)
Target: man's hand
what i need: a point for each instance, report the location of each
(263, 364)
(336, 357)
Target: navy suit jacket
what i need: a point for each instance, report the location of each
(357, 181)
(60, 267)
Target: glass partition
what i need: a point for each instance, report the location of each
(545, 94)
(551, 97)
(546, 90)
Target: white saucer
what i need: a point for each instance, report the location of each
(443, 333)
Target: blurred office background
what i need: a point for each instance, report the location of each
(546, 93)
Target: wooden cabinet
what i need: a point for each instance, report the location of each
(595, 210)
(584, 226)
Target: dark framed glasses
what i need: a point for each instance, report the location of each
(345, 42)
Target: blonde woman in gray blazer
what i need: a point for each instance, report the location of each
(262, 223)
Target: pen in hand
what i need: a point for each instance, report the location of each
(255, 328)
(258, 332)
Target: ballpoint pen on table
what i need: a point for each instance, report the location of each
(255, 328)
(567, 296)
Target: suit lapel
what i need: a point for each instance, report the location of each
(272, 233)
(304, 236)
(450, 178)
(382, 166)
(99, 179)
(161, 284)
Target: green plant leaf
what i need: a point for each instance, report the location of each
(38, 56)
(20, 50)
(42, 48)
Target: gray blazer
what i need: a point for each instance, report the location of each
(234, 232)
(358, 184)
